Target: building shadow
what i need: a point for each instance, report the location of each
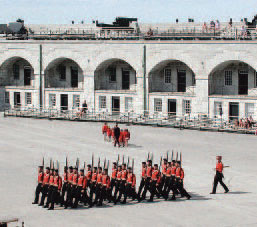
(134, 146)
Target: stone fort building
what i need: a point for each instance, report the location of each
(213, 76)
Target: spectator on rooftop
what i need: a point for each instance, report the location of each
(217, 25)
(204, 27)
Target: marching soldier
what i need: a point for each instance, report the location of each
(50, 188)
(149, 170)
(98, 186)
(45, 186)
(56, 188)
(117, 184)
(219, 175)
(155, 180)
(170, 180)
(65, 185)
(93, 186)
(114, 175)
(163, 174)
(39, 186)
(74, 186)
(68, 201)
(80, 189)
(130, 186)
(143, 179)
(105, 188)
(179, 181)
(122, 188)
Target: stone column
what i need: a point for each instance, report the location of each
(89, 89)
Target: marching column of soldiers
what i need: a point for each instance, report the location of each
(93, 187)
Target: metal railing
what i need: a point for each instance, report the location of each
(161, 119)
(185, 32)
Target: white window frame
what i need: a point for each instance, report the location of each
(228, 78)
(157, 105)
(167, 75)
(28, 99)
(52, 100)
(7, 97)
(76, 101)
(187, 106)
(128, 104)
(102, 102)
(251, 113)
(110, 77)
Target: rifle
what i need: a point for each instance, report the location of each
(104, 163)
(92, 160)
(118, 160)
(167, 156)
(99, 162)
(180, 159)
(128, 162)
(66, 161)
(148, 156)
(58, 166)
(122, 159)
(172, 156)
(176, 156)
(50, 163)
(43, 163)
(108, 165)
(160, 163)
(53, 165)
(152, 157)
(84, 165)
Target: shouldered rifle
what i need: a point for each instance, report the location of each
(172, 155)
(92, 161)
(98, 162)
(132, 165)
(128, 162)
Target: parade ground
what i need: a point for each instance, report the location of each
(24, 142)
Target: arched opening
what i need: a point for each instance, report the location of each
(17, 83)
(233, 91)
(63, 73)
(16, 71)
(171, 76)
(115, 74)
(232, 78)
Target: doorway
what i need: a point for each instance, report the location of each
(64, 102)
(115, 105)
(181, 80)
(74, 77)
(27, 75)
(233, 110)
(17, 99)
(125, 79)
(172, 107)
(243, 83)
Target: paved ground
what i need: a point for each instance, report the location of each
(24, 142)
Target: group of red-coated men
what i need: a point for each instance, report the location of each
(116, 135)
(95, 186)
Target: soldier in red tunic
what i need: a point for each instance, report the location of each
(65, 185)
(130, 186)
(104, 130)
(218, 177)
(68, 201)
(98, 185)
(155, 181)
(117, 184)
(149, 170)
(45, 186)
(122, 188)
(39, 185)
(56, 188)
(105, 188)
(80, 189)
(50, 188)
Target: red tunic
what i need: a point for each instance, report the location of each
(173, 170)
(75, 179)
(46, 178)
(70, 177)
(58, 182)
(155, 175)
(40, 177)
(149, 171)
(168, 173)
(99, 178)
(119, 173)
(178, 172)
(126, 135)
(82, 181)
(164, 169)
(144, 172)
(51, 180)
(109, 132)
(114, 173)
(121, 138)
(124, 174)
(219, 167)
(89, 175)
(106, 181)
(94, 176)
(104, 129)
